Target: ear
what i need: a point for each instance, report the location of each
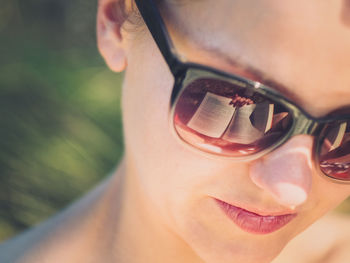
(110, 19)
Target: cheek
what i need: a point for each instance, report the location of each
(166, 171)
(172, 176)
(146, 93)
(330, 195)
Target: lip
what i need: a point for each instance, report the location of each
(255, 223)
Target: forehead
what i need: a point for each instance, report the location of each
(304, 45)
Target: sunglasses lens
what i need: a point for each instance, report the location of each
(335, 151)
(228, 119)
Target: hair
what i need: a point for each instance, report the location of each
(130, 13)
(133, 16)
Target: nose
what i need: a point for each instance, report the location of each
(286, 173)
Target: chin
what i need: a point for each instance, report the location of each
(238, 254)
(215, 239)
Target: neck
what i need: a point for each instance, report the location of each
(140, 235)
(113, 223)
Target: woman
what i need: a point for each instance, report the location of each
(253, 151)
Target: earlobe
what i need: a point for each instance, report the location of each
(110, 19)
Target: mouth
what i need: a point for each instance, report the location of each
(252, 222)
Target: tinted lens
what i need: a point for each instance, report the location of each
(335, 151)
(227, 119)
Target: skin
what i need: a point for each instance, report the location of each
(158, 206)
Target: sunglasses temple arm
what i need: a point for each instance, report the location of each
(156, 26)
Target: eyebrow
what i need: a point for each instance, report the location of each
(254, 73)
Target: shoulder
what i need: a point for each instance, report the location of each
(66, 237)
(6, 255)
(326, 241)
(20, 249)
(11, 251)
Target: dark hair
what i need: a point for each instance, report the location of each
(133, 16)
(120, 10)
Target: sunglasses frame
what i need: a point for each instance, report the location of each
(183, 72)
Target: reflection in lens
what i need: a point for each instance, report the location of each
(335, 151)
(226, 119)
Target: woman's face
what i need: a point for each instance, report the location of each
(304, 45)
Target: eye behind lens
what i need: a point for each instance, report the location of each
(223, 118)
(334, 153)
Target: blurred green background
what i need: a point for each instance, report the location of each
(60, 122)
(60, 129)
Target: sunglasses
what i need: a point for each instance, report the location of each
(233, 117)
